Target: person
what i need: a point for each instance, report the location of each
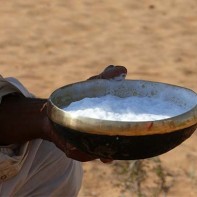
(34, 160)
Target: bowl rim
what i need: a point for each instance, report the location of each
(121, 128)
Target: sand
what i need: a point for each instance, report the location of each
(47, 44)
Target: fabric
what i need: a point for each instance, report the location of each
(38, 167)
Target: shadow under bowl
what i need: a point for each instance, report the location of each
(119, 140)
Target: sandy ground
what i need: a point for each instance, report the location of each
(47, 44)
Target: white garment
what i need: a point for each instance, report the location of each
(37, 168)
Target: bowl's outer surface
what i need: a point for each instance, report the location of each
(125, 147)
(123, 140)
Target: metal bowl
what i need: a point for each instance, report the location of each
(117, 139)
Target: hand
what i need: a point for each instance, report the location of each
(110, 72)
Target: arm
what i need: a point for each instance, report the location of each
(21, 119)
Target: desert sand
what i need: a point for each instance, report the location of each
(48, 44)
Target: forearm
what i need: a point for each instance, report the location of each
(21, 119)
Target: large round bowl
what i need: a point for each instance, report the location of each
(120, 140)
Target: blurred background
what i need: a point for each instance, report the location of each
(48, 44)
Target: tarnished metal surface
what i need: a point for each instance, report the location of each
(95, 88)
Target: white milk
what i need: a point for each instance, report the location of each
(124, 109)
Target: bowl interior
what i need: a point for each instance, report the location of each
(97, 88)
(183, 97)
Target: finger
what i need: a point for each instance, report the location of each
(120, 77)
(112, 72)
(79, 155)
